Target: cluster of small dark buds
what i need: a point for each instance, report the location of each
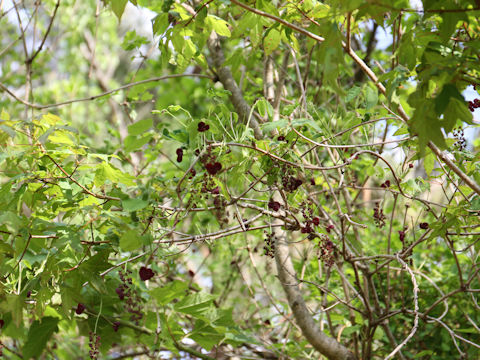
(220, 213)
(116, 325)
(269, 247)
(210, 162)
(130, 295)
(308, 227)
(291, 183)
(472, 105)
(282, 138)
(326, 250)
(461, 142)
(213, 167)
(94, 344)
(307, 210)
(378, 216)
(179, 155)
(386, 184)
(274, 205)
(329, 228)
(401, 235)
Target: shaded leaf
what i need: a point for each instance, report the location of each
(38, 336)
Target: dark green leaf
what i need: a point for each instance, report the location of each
(38, 336)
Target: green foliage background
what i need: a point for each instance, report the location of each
(93, 112)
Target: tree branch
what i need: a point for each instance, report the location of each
(326, 345)
(226, 78)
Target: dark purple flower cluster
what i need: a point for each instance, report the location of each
(386, 184)
(472, 105)
(269, 247)
(378, 216)
(461, 142)
(145, 273)
(310, 219)
(424, 226)
(94, 344)
(209, 161)
(202, 127)
(179, 155)
(326, 250)
(130, 295)
(291, 183)
(80, 309)
(274, 205)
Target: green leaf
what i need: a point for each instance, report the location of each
(106, 171)
(96, 264)
(423, 353)
(371, 97)
(353, 93)
(475, 203)
(220, 26)
(134, 204)
(160, 23)
(456, 110)
(271, 125)
(429, 163)
(271, 41)
(118, 7)
(38, 336)
(206, 336)
(449, 23)
(11, 220)
(265, 108)
(133, 143)
(130, 241)
(172, 290)
(196, 304)
(443, 99)
(427, 126)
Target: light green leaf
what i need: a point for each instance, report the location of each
(429, 163)
(271, 125)
(271, 41)
(140, 127)
(12, 221)
(195, 304)
(133, 143)
(371, 97)
(134, 204)
(220, 26)
(265, 108)
(206, 336)
(130, 241)
(105, 171)
(160, 24)
(353, 93)
(172, 290)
